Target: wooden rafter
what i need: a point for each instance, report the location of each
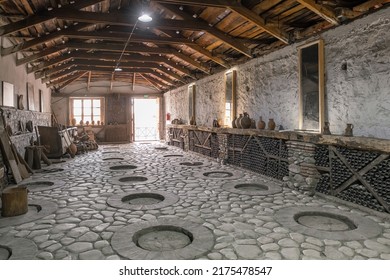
(323, 11)
(133, 83)
(247, 14)
(155, 83)
(211, 3)
(42, 17)
(70, 80)
(369, 4)
(210, 30)
(89, 80)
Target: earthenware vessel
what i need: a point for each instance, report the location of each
(238, 121)
(234, 122)
(326, 130)
(271, 124)
(349, 130)
(245, 121)
(261, 123)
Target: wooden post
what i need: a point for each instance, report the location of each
(14, 202)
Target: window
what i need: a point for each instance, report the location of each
(87, 110)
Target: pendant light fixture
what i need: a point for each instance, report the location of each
(145, 16)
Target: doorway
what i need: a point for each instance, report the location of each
(146, 119)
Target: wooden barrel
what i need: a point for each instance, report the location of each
(14, 202)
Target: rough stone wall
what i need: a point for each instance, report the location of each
(303, 174)
(361, 93)
(268, 86)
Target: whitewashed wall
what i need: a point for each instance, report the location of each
(17, 75)
(268, 86)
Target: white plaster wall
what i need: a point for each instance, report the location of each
(268, 86)
(17, 75)
(360, 94)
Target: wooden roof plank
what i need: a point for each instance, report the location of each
(41, 17)
(323, 11)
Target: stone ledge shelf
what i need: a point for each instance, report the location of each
(355, 142)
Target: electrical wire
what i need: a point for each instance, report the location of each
(127, 43)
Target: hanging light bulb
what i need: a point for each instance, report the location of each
(144, 17)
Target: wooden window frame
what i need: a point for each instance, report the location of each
(102, 108)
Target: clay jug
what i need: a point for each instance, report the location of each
(238, 121)
(326, 130)
(192, 121)
(245, 121)
(271, 124)
(261, 123)
(234, 122)
(74, 122)
(253, 124)
(348, 130)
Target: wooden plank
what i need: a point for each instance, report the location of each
(364, 7)
(362, 180)
(361, 173)
(210, 30)
(41, 17)
(323, 11)
(210, 3)
(260, 22)
(9, 156)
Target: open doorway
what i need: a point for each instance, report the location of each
(146, 119)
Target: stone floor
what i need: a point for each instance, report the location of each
(244, 226)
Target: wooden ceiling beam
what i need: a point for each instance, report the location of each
(59, 74)
(44, 39)
(41, 68)
(40, 54)
(48, 63)
(323, 11)
(366, 6)
(260, 22)
(124, 19)
(134, 57)
(71, 79)
(65, 79)
(42, 17)
(124, 71)
(137, 49)
(226, 39)
(155, 83)
(209, 3)
(89, 80)
(249, 15)
(52, 71)
(131, 65)
(199, 49)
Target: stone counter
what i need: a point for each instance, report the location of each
(355, 169)
(355, 142)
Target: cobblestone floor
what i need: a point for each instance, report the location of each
(244, 226)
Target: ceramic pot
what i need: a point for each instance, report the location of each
(326, 130)
(349, 130)
(74, 122)
(234, 122)
(238, 121)
(271, 124)
(261, 123)
(245, 121)
(253, 124)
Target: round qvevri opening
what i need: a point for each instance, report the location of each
(5, 253)
(163, 238)
(111, 152)
(194, 163)
(161, 148)
(113, 158)
(218, 174)
(250, 187)
(143, 199)
(325, 221)
(132, 179)
(122, 167)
